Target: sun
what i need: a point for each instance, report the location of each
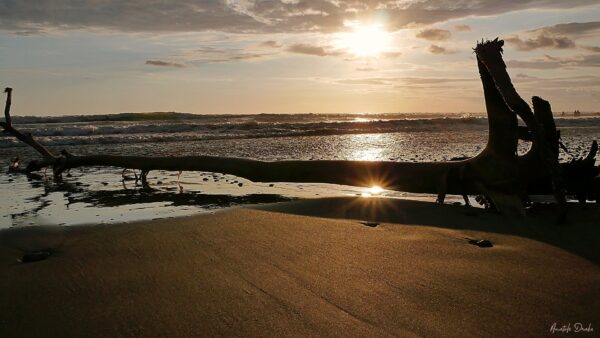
(375, 190)
(365, 40)
(372, 191)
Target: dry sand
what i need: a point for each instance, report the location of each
(306, 268)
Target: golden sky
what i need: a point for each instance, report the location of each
(291, 56)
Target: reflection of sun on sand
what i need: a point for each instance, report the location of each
(372, 191)
(306, 268)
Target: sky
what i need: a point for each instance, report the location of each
(65, 57)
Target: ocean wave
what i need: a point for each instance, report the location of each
(224, 118)
(251, 126)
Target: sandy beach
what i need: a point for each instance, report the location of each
(409, 168)
(307, 268)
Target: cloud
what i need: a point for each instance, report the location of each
(435, 49)
(462, 28)
(161, 63)
(435, 11)
(567, 84)
(434, 34)
(570, 29)
(560, 36)
(367, 81)
(391, 55)
(212, 54)
(247, 16)
(308, 49)
(541, 41)
(531, 64)
(270, 44)
(594, 49)
(550, 62)
(327, 50)
(405, 81)
(435, 80)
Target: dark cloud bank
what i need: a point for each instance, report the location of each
(31, 17)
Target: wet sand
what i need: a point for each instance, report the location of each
(306, 268)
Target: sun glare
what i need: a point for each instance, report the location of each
(372, 191)
(365, 40)
(375, 190)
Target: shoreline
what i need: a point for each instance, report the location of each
(306, 267)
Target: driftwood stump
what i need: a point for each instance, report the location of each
(498, 173)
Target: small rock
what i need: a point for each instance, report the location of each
(205, 179)
(482, 243)
(271, 185)
(370, 224)
(240, 184)
(34, 256)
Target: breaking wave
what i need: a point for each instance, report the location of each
(164, 127)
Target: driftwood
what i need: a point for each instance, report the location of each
(498, 174)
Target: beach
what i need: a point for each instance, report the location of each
(109, 195)
(300, 169)
(346, 266)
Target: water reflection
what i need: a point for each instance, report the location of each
(367, 147)
(43, 202)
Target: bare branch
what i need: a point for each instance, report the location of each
(25, 138)
(8, 92)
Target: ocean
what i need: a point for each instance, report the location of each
(107, 195)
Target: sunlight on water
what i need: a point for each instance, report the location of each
(371, 154)
(367, 147)
(98, 195)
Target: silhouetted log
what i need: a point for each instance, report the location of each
(543, 114)
(497, 167)
(581, 176)
(532, 167)
(393, 175)
(576, 174)
(497, 172)
(7, 118)
(411, 177)
(490, 54)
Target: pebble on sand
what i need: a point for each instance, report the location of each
(482, 243)
(37, 255)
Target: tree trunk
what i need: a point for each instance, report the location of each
(497, 172)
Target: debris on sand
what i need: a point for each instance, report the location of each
(482, 243)
(37, 255)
